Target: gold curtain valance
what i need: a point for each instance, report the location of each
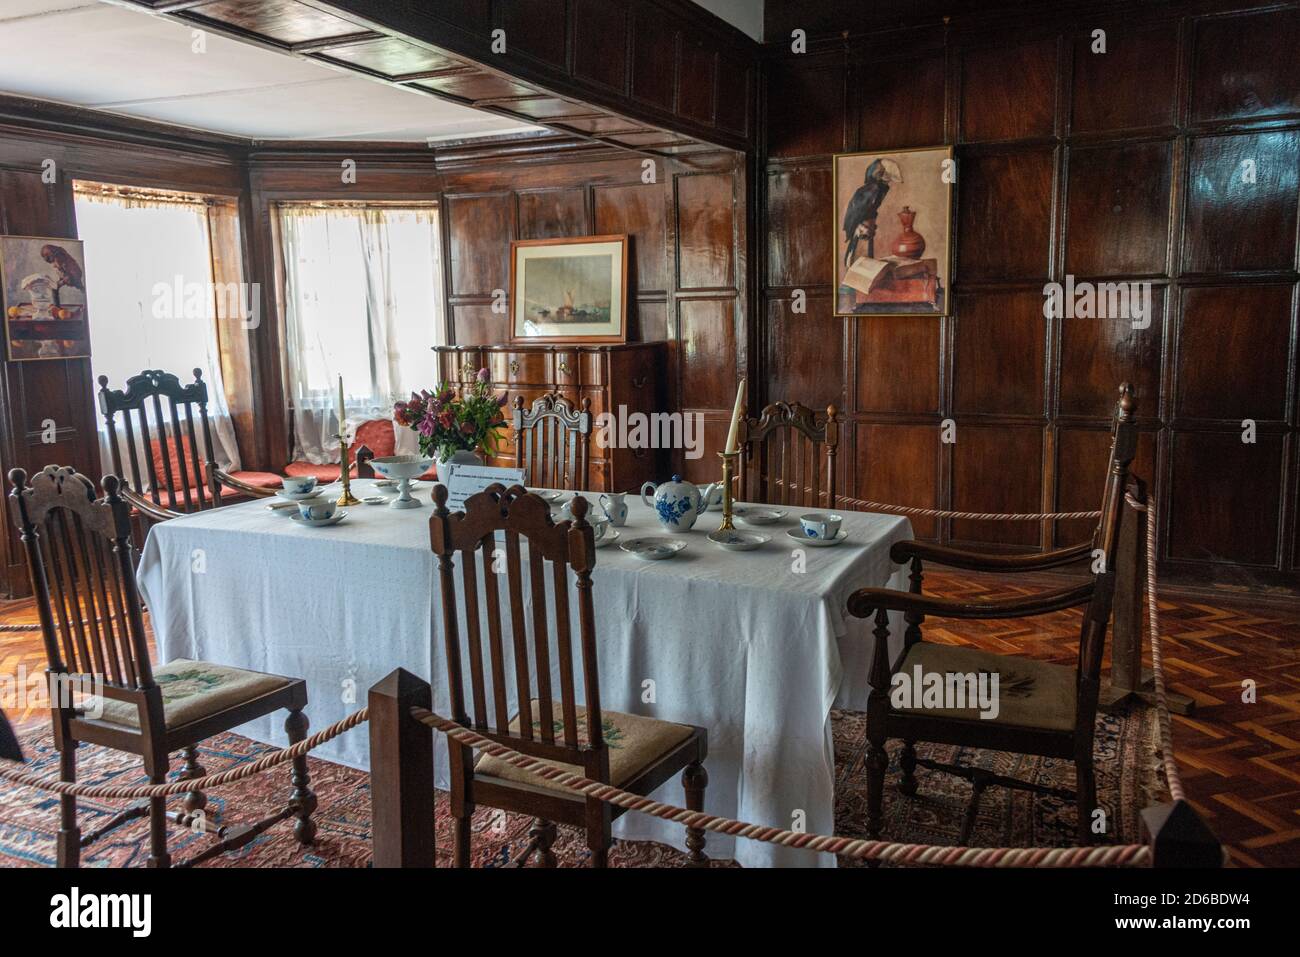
(139, 196)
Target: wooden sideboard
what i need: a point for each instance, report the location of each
(619, 379)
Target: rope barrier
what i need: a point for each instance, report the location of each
(866, 506)
(1122, 855)
(191, 784)
(1114, 855)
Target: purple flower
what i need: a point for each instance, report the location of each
(427, 425)
(482, 375)
(502, 399)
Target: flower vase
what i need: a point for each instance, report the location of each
(460, 457)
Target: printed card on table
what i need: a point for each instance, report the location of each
(467, 480)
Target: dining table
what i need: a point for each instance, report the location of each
(755, 646)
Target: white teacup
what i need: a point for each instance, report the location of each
(298, 484)
(598, 528)
(820, 525)
(317, 511)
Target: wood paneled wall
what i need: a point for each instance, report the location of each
(38, 163)
(1123, 165)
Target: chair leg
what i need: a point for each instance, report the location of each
(907, 761)
(877, 765)
(598, 841)
(195, 801)
(303, 799)
(158, 855)
(461, 840)
(68, 843)
(543, 834)
(694, 780)
(1085, 799)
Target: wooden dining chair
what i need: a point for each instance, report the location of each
(1043, 709)
(632, 752)
(105, 690)
(788, 456)
(553, 442)
(179, 474)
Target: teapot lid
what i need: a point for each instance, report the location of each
(677, 478)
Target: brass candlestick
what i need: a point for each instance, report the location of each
(728, 465)
(347, 498)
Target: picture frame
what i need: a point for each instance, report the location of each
(569, 290)
(43, 298)
(892, 228)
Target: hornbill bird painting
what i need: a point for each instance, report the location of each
(860, 214)
(66, 266)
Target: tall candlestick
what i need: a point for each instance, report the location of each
(735, 418)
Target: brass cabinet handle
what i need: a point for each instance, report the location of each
(639, 383)
(514, 366)
(467, 371)
(564, 366)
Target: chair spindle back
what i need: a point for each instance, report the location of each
(782, 456)
(552, 442)
(554, 549)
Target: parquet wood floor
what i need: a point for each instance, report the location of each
(1240, 759)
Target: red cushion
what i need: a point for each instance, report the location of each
(377, 434)
(325, 473)
(258, 479)
(173, 452)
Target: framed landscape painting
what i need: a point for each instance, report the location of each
(893, 232)
(43, 286)
(569, 290)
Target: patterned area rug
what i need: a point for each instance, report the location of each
(1127, 781)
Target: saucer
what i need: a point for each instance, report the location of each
(376, 500)
(547, 496)
(653, 549)
(754, 515)
(798, 535)
(320, 522)
(734, 541)
(298, 496)
(608, 538)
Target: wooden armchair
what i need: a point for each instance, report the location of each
(178, 476)
(552, 442)
(96, 648)
(574, 736)
(1042, 708)
(782, 457)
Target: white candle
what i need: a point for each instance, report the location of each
(340, 408)
(735, 418)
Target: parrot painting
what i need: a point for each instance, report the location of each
(860, 214)
(69, 270)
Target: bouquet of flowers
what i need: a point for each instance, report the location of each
(447, 423)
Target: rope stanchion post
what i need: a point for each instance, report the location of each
(401, 773)
(1179, 838)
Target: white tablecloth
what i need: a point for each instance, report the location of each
(743, 644)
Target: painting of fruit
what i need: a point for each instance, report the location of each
(44, 294)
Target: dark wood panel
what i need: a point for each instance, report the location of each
(481, 228)
(705, 468)
(899, 465)
(900, 102)
(1009, 92)
(548, 213)
(1006, 216)
(1099, 354)
(1129, 86)
(654, 59)
(1241, 202)
(287, 21)
(637, 209)
(898, 364)
(805, 109)
(652, 322)
(697, 81)
(538, 28)
(1225, 498)
(1015, 456)
(600, 39)
(479, 325)
(1246, 66)
(1245, 329)
(705, 224)
(1118, 210)
(1081, 459)
(998, 353)
(475, 86)
(707, 350)
(799, 240)
(391, 57)
(805, 354)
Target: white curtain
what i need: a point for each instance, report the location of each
(150, 300)
(360, 302)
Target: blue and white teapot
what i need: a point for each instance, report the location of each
(677, 504)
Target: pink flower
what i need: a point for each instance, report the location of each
(427, 425)
(502, 399)
(482, 375)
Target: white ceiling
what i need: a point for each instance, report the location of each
(744, 15)
(91, 54)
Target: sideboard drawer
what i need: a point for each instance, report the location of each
(520, 367)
